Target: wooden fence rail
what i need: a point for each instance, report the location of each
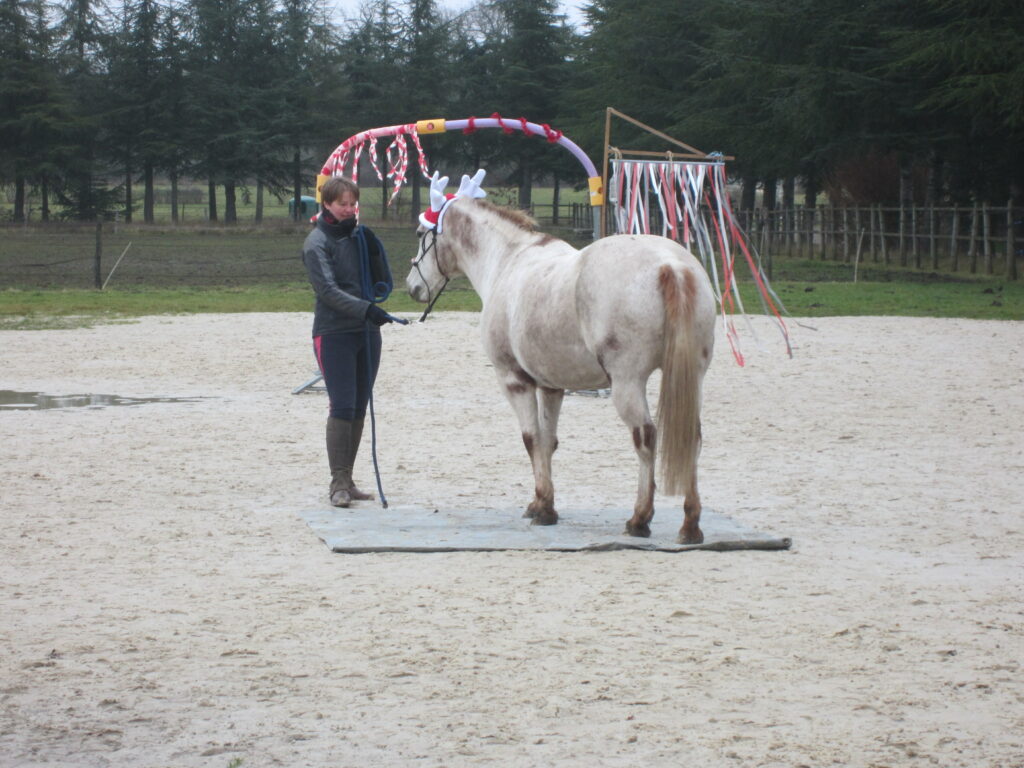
(977, 239)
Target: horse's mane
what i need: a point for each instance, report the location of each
(519, 218)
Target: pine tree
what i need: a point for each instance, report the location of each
(532, 79)
(33, 107)
(81, 37)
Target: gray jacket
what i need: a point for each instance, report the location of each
(331, 256)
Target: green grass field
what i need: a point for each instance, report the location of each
(58, 308)
(47, 277)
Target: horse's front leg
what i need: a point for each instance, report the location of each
(522, 393)
(541, 448)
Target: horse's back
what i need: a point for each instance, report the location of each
(619, 296)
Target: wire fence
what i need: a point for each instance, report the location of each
(75, 256)
(90, 255)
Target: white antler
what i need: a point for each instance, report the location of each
(438, 198)
(470, 187)
(437, 187)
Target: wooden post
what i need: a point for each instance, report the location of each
(954, 241)
(902, 229)
(856, 258)
(604, 171)
(809, 233)
(833, 227)
(972, 247)
(96, 277)
(807, 248)
(933, 251)
(824, 235)
(881, 229)
(913, 237)
(986, 241)
(763, 229)
(1011, 244)
(859, 229)
(174, 197)
(846, 239)
(752, 225)
(871, 237)
(787, 229)
(554, 203)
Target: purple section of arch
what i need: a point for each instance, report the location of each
(493, 122)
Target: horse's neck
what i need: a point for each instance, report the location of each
(496, 240)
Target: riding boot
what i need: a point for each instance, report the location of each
(357, 435)
(339, 458)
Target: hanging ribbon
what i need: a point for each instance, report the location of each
(693, 200)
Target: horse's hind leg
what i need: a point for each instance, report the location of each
(690, 532)
(630, 400)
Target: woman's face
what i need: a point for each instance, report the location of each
(344, 207)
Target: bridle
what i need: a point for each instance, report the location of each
(431, 219)
(430, 246)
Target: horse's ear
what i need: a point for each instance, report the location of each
(470, 187)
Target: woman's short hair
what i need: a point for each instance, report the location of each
(335, 187)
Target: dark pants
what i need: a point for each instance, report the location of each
(349, 363)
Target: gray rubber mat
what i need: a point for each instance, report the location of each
(369, 528)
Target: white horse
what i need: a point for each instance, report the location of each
(556, 319)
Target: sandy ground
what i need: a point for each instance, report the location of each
(162, 604)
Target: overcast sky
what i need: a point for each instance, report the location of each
(570, 8)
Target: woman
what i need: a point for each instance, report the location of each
(349, 271)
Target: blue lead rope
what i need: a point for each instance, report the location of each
(375, 293)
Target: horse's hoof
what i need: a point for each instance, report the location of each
(691, 537)
(549, 517)
(530, 513)
(641, 531)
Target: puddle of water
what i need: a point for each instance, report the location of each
(40, 401)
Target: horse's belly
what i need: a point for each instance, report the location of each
(557, 365)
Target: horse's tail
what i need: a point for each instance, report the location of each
(681, 376)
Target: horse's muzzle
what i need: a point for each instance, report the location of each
(416, 291)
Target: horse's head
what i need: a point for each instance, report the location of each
(435, 263)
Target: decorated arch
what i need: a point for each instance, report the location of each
(681, 193)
